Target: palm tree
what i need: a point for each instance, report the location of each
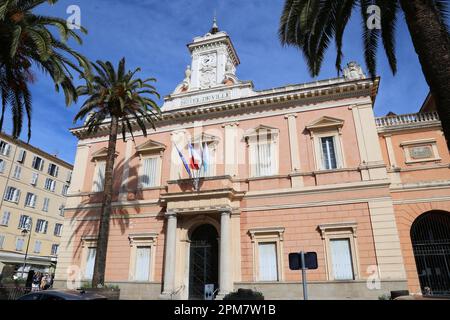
(26, 40)
(119, 100)
(310, 25)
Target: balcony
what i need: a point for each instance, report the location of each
(405, 121)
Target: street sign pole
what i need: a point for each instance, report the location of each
(305, 286)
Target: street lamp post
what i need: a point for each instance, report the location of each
(26, 230)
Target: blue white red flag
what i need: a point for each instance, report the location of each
(195, 158)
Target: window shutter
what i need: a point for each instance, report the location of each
(16, 195)
(5, 219)
(53, 185)
(7, 150)
(41, 166)
(34, 162)
(148, 178)
(341, 259)
(264, 167)
(2, 166)
(268, 269)
(89, 272)
(99, 182)
(142, 268)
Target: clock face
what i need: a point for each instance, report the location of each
(209, 60)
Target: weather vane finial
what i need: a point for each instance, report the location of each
(215, 28)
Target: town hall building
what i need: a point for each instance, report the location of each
(304, 167)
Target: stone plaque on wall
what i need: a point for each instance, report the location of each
(422, 152)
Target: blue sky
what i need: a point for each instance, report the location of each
(153, 34)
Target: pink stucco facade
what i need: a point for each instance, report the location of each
(369, 199)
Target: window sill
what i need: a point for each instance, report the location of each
(277, 176)
(16, 202)
(423, 160)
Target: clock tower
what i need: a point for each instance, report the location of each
(211, 76)
(214, 62)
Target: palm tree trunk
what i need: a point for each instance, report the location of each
(432, 43)
(103, 233)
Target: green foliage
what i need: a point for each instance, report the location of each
(384, 296)
(117, 93)
(311, 25)
(26, 40)
(244, 294)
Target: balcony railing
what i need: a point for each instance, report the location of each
(405, 119)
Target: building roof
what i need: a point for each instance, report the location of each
(36, 150)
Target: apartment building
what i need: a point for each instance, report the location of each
(33, 186)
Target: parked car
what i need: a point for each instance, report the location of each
(57, 295)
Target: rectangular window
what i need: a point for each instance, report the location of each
(34, 179)
(264, 165)
(69, 177)
(99, 180)
(142, 269)
(5, 218)
(328, 153)
(2, 241)
(30, 200)
(17, 172)
(22, 156)
(61, 210)
(12, 194)
(24, 222)
(65, 189)
(268, 265)
(341, 259)
(2, 166)
(38, 163)
(55, 248)
(41, 226)
(89, 271)
(46, 204)
(37, 246)
(58, 229)
(50, 184)
(19, 244)
(5, 148)
(149, 172)
(53, 169)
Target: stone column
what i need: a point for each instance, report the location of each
(372, 161)
(387, 241)
(231, 153)
(169, 255)
(225, 278)
(296, 181)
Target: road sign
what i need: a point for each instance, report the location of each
(295, 261)
(303, 261)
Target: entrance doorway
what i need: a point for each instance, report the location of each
(203, 261)
(430, 237)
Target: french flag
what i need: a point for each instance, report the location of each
(195, 160)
